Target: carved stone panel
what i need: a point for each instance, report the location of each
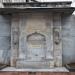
(36, 45)
(36, 40)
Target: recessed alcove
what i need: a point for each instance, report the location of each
(36, 44)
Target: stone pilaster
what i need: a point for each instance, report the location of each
(57, 40)
(14, 39)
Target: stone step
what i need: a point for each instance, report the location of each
(32, 64)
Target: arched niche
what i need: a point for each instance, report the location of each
(36, 45)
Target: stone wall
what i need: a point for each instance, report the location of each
(36, 23)
(30, 24)
(68, 38)
(4, 38)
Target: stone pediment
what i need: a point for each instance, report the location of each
(36, 36)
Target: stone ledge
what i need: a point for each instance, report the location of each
(60, 69)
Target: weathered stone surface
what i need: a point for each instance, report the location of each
(5, 39)
(68, 38)
(14, 39)
(20, 27)
(27, 25)
(57, 40)
(32, 24)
